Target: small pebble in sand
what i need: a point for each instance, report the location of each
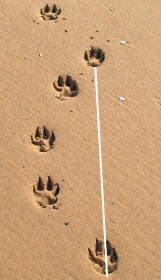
(123, 42)
(66, 223)
(122, 98)
(66, 30)
(40, 54)
(91, 37)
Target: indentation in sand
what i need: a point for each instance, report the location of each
(94, 57)
(50, 12)
(46, 195)
(97, 256)
(43, 138)
(65, 87)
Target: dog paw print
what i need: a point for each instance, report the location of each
(46, 195)
(65, 87)
(43, 138)
(50, 12)
(94, 57)
(97, 256)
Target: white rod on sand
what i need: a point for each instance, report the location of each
(101, 171)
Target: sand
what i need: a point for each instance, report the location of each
(35, 242)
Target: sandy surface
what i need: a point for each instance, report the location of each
(35, 243)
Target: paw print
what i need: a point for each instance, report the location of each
(43, 138)
(97, 256)
(94, 57)
(66, 87)
(50, 12)
(46, 196)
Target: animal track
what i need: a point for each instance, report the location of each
(50, 12)
(44, 139)
(98, 254)
(46, 196)
(66, 87)
(94, 57)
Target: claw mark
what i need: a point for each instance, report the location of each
(40, 185)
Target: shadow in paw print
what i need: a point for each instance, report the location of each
(50, 12)
(97, 256)
(43, 138)
(66, 87)
(46, 195)
(94, 57)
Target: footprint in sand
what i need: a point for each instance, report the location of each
(46, 196)
(97, 256)
(44, 139)
(50, 12)
(94, 57)
(66, 87)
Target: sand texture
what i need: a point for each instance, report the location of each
(50, 201)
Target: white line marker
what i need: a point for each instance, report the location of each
(101, 171)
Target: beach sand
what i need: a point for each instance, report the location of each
(35, 242)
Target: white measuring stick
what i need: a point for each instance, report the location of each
(101, 171)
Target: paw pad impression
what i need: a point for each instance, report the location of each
(66, 87)
(94, 57)
(43, 138)
(97, 256)
(46, 195)
(50, 12)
